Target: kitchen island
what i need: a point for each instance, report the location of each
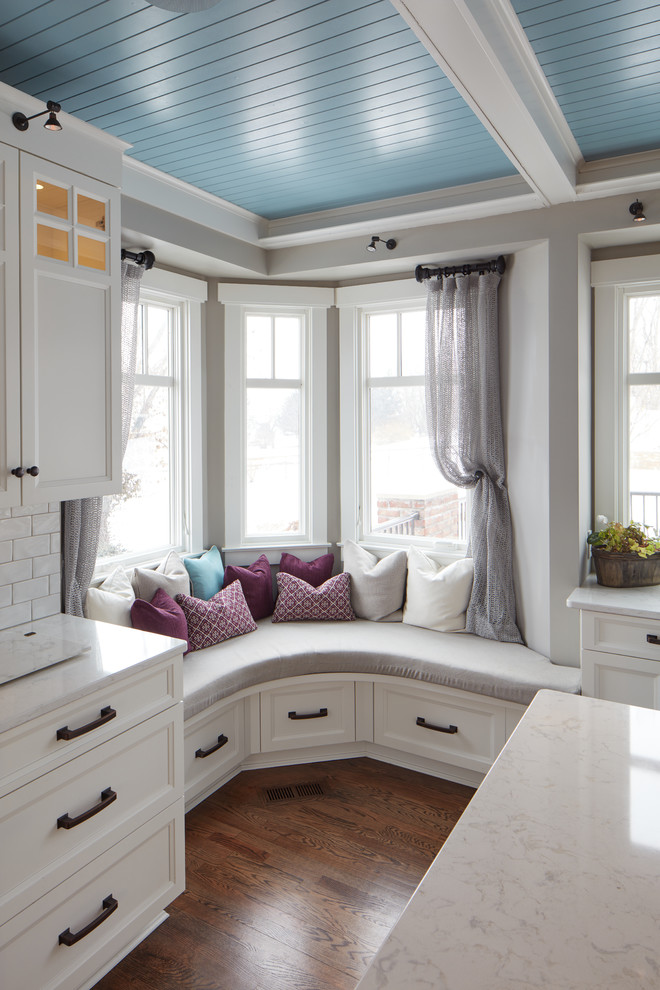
(551, 878)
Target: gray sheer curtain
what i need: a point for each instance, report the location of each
(465, 430)
(81, 518)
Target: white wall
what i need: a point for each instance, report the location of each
(524, 324)
(29, 563)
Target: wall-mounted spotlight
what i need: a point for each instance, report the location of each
(21, 122)
(390, 243)
(637, 211)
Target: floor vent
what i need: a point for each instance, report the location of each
(293, 792)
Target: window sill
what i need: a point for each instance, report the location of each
(246, 555)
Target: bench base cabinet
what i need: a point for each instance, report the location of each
(430, 722)
(307, 715)
(319, 717)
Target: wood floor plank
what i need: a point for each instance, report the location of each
(297, 894)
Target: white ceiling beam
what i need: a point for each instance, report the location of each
(482, 49)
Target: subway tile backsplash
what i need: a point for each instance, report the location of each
(29, 563)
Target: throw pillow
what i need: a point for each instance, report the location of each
(257, 584)
(170, 575)
(206, 573)
(377, 586)
(224, 615)
(161, 615)
(298, 600)
(112, 600)
(437, 596)
(314, 572)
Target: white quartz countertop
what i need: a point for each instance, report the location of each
(551, 878)
(107, 652)
(643, 602)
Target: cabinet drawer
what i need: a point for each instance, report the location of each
(138, 696)
(630, 680)
(121, 783)
(143, 873)
(214, 744)
(436, 725)
(297, 716)
(623, 634)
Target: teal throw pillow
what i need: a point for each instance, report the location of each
(206, 573)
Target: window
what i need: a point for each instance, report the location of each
(275, 417)
(159, 507)
(395, 494)
(627, 391)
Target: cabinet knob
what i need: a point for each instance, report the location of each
(19, 472)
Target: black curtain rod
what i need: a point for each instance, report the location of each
(146, 258)
(496, 265)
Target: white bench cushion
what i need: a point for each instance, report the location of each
(457, 660)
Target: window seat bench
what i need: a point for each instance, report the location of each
(300, 692)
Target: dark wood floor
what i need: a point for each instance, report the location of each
(295, 894)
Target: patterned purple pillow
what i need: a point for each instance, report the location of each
(315, 572)
(298, 600)
(224, 615)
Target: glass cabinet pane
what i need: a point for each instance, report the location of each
(52, 199)
(90, 212)
(52, 242)
(91, 253)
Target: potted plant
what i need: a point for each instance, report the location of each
(625, 556)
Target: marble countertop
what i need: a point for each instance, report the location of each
(107, 652)
(644, 602)
(551, 878)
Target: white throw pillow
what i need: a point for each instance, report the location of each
(112, 600)
(437, 596)
(171, 576)
(377, 586)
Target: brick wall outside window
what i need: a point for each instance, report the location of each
(29, 563)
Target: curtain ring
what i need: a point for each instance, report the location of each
(478, 475)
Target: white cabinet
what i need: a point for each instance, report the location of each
(452, 727)
(91, 827)
(307, 714)
(60, 270)
(621, 658)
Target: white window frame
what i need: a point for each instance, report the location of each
(312, 303)
(613, 281)
(354, 302)
(186, 295)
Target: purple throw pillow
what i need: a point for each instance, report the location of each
(314, 572)
(224, 615)
(160, 615)
(299, 601)
(257, 584)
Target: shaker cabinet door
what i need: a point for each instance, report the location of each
(70, 299)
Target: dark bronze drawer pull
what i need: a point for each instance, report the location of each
(68, 937)
(107, 797)
(436, 728)
(203, 753)
(321, 713)
(105, 716)
(653, 640)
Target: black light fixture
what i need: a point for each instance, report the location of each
(637, 211)
(390, 243)
(21, 122)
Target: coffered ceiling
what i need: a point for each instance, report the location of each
(287, 108)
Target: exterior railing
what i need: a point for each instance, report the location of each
(402, 526)
(645, 508)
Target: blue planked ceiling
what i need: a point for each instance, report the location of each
(602, 60)
(282, 107)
